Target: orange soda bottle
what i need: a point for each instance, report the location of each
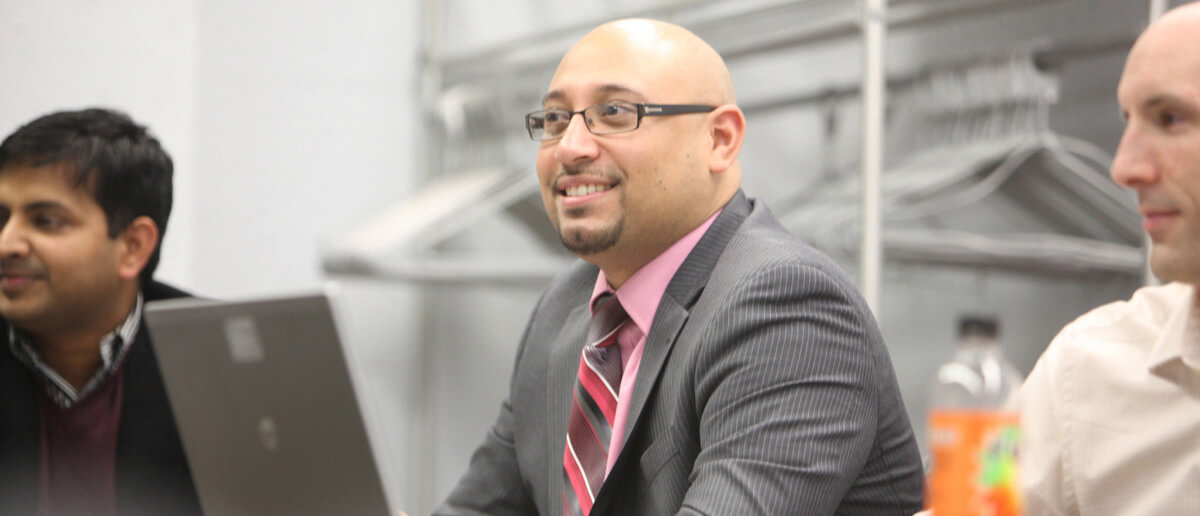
(974, 428)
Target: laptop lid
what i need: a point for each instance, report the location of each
(266, 407)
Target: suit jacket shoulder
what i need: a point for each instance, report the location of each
(766, 387)
(152, 471)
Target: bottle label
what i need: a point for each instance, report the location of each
(974, 463)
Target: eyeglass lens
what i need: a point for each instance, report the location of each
(613, 117)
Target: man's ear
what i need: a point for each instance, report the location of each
(728, 132)
(135, 244)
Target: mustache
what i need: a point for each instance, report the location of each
(1154, 200)
(22, 267)
(586, 170)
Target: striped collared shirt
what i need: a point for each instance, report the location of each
(113, 348)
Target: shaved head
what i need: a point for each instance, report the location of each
(1169, 42)
(662, 51)
(1164, 52)
(620, 199)
(1184, 14)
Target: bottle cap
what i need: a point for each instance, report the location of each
(978, 326)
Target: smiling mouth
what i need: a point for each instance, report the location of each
(1154, 223)
(1158, 215)
(582, 190)
(11, 282)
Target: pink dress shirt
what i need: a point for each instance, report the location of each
(639, 296)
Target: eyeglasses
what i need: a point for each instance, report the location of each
(607, 118)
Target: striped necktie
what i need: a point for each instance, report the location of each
(593, 409)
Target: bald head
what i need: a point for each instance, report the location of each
(1173, 33)
(1184, 14)
(660, 54)
(621, 197)
(1164, 63)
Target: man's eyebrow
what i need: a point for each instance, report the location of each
(553, 95)
(1161, 99)
(1155, 102)
(46, 206)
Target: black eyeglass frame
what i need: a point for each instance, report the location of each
(643, 110)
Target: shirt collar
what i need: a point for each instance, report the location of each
(114, 346)
(641, 293)
(1179, 342)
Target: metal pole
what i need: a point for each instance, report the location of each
(1157, 8)
(874, 32)
(423, 469)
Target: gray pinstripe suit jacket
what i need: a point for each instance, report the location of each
(764, 388)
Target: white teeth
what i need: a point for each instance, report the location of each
(581, 190)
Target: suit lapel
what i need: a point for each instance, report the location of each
(564, 364)
(672, 314)
(145, 415)
(668, 320)
(681, 293)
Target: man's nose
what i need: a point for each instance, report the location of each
(577, 144)
(13, 240)
(1135, 164)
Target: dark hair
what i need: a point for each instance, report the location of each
(124, 167)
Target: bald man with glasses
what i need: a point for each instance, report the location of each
(698, 359)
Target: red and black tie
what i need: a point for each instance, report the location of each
(593, 408)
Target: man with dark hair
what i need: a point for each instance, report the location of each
(85, 426)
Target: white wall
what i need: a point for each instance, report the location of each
(287, 122)
(305, 120)
(134, 55)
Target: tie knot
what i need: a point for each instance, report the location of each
(607, 317)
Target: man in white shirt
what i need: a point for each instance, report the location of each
(1112, 409)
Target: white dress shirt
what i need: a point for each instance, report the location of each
(1111, 411)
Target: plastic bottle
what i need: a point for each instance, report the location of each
(974, 428)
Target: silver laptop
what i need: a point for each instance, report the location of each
(266, 407)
